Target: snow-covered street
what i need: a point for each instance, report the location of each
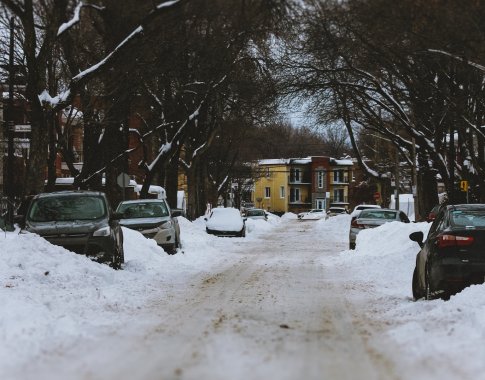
(289, 301)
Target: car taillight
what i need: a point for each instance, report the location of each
(453, 240)
(355, 224)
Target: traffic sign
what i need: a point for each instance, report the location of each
(464, 185)
(123, 180)
(377, 195)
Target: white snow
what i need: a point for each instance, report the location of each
(51, 297)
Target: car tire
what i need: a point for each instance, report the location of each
(417, 292)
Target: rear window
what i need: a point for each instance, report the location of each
(67, 208)
(377, 214)
(471, 218)
(255, 213)
(144, 210)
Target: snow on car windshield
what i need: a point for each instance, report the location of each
(66, 208)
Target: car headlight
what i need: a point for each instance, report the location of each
(166, 225)
(105, 231)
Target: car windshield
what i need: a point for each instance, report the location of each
(377, 214)
(255, 213)
(143, 210)
(465, 218)
(67, 208)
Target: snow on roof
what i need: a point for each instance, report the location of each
(273, 161)
(341, 162)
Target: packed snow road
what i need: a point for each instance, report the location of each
(286, 302)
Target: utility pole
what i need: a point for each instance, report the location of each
(414, 168)
(451, 197)
(397, 180)
(9, 123)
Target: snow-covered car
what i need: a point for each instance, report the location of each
(313, 214)
(357, 210)
(334, 210)
(372, 218)
(225, 222)
(256, 213)
(80, 221)
(154, 220)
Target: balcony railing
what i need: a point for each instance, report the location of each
(302, 179)
(339, 199)
(296, 200)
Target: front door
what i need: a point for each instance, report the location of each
(320, 203)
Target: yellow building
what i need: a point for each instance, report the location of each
(300, 184)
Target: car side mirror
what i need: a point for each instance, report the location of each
(417, 237)
(176, 212)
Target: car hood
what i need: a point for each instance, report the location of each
(64, 227)
(144, 222)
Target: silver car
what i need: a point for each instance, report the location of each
(154, 220)
(371, 218)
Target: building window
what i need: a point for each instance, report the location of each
(338, 176)
(297, 175)
(338, 195)
(267, 192)
(294, 195)
(320, 179)
(282, 192)
(267, 172)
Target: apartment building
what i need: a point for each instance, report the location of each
(300, 184)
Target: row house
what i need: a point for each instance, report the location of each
(300, 184)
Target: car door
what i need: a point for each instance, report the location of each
(429, 245)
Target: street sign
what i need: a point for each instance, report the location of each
(464, 185)
(377, 195)
(123, 180)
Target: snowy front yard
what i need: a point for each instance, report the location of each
(53, 299)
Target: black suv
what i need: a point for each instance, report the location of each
(80, 221)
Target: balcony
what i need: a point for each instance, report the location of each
(303, 179)
(298, 201)
(344, 200)
(340, 180)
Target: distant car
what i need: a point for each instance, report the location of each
(372, 218)
(313, 214)
(80, 221)
(225, 222)
(355, 213)
(154, 220)
(452, 257)
(334, 210)
(256, 213)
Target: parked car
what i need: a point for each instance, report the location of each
(313, 214)
(452, 257)
(256, 213)
(154, 220)
(334, 210)
(356, 211)
(225, 222)
(80, 221)
(372, 218)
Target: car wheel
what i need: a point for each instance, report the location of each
(417, 292)
(171, 249)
